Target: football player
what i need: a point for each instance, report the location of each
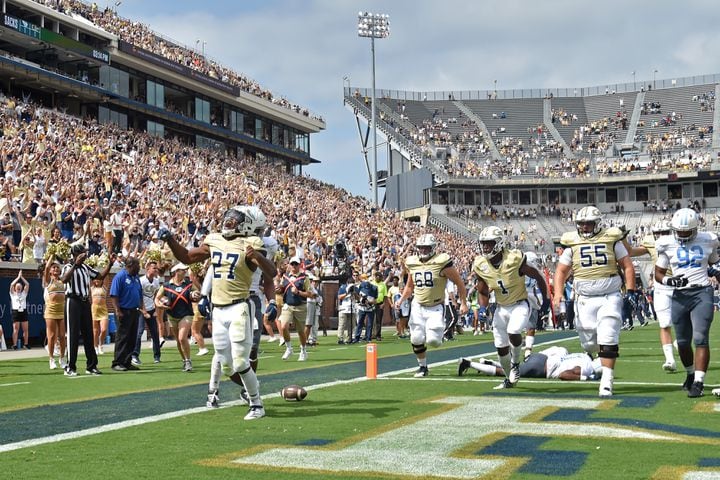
(593, 255)
(236, 253)
(553, 362)
(428, 273)
(662, 294)
(503, 271)
(688, 254)
(534, 301)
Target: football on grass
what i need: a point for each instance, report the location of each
(293, 393)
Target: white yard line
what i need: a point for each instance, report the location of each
(13, 384)
(189, 411)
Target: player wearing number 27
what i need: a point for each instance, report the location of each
(503, 271)
(429, 272)
(236, 253)
(688, 253)
(594, 255)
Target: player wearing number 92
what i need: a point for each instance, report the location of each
(688, 252)
(593, 255)
(235, 254)
(428, 273)
(503, 271)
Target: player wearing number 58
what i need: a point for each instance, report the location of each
(428, 274)
(503, 271)
(236, 253)
(594, 255)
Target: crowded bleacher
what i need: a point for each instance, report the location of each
(140, 35)
(113, 189)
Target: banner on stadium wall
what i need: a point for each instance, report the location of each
(45, 35)
(176, 67)
(22, 26)
(35, 308)
(74, 46)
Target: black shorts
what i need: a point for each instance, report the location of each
(18, 316)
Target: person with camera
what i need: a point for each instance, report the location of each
(346, 308)
(367, 298)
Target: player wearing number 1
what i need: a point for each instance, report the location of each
(503, 271)
(688, 253)
(235, 253)
(593, 255)
(428, 275)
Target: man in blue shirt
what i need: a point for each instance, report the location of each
(126, 297)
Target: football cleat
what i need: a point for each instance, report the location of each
(505, 384)
(187, 366)
(422, 371)
(255, 412)
(288, 352)
(697, 389)
(463, 365)
(669, 367)
(303, 356)
(514, 373)
(605, 391)
(716, 392)
(527, 353)
(213, 399)
(689, 379)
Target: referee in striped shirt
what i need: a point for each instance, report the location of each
(76, 276)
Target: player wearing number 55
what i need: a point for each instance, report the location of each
(236, 253)
(594, 255)
(428, 274)
(503, 271)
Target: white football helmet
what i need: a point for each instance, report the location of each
(585, 216)
(684, 225)
(532, 259)
(255, 219)
(661, 228)
(491, 241)
(242, 221)
(426, 246)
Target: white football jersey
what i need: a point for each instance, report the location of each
(533, 293)
(271, 248)
(557, 364)
(690, 259)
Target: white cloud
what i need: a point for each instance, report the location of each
(302, 50)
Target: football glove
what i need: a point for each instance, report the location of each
(632, 297)
(545, 307)
(205, 307)
(713, 270)
(164, 234)
(482, 313)
(677, 281)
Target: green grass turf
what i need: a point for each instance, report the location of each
(332, 419)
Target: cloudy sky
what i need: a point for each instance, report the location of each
(302, 49)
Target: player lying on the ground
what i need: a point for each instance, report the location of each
(554, 362)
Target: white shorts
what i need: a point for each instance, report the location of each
(509, 319)
(232, 335)
(662, 300)
(598, 319)
(426, 324)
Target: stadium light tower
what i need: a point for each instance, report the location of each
(654, 75)
(372, 26)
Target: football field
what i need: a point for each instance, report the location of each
(154, 424)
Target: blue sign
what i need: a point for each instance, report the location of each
(35, 308)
